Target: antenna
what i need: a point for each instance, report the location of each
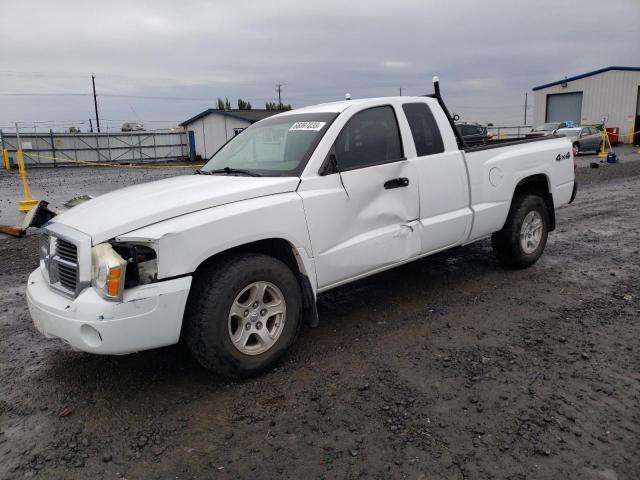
(347, 96)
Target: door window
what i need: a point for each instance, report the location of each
(371, 137)
(425, 131)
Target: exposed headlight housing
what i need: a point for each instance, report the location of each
(108, 271)
(117, 266)
(142, 263)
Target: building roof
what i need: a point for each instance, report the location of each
(588, 74)
(248, 115)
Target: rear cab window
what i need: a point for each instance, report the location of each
(424, 129)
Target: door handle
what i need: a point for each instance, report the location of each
(396, 183)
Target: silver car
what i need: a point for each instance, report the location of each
(545, 129)
(584, 139)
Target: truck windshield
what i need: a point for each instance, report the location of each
(277, 146)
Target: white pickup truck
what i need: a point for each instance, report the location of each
(232, 259)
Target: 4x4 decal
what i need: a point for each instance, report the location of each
(566, 156)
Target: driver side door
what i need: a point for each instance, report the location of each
(364, 217)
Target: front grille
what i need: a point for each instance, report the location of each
(65, 258)
(67, 251)
(65, 261)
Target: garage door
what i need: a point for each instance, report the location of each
(564, 106)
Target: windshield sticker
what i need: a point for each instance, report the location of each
(313, 126)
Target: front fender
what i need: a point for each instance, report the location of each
(184, 242)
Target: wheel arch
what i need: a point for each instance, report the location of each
(538, 184)
(275, 247)
(284, 251)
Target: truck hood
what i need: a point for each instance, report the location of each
(130, 208)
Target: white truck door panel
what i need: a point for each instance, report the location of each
(445, 213)
(365, 218)
(369, 229)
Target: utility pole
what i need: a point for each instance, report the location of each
(526, 97)
(95, 101)
(400, 91)
(90, 126)
(279, 90)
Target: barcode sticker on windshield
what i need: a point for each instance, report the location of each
(314, 126)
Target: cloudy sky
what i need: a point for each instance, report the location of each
(161, 62)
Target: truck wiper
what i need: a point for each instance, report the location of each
(229, 171)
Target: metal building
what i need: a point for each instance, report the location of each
(209, 130)
(610, 95)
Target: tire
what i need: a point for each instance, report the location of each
(508, 244)
(222, 302)
(576, 149)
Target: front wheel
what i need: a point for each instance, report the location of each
(522, 239)
(243, 314)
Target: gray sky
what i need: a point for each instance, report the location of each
(182, 55)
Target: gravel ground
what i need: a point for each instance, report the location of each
(451, 367)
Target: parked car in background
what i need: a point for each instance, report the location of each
(474, 133)
(548, 128)
(583, 139)
(132, 127)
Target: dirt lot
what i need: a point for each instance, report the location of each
(448, 368)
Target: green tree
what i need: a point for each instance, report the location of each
(220, 104)
(227, 104)
(243, 104)
(275, 106)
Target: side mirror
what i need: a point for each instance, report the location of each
(330, 165)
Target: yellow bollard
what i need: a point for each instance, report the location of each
(28, 203)
(605, 137)
(5, 155)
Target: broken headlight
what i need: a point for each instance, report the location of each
(142, 263)
(121, 265)
(107, 271)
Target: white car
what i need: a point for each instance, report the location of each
(232, 259)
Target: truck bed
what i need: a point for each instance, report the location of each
(508, 142)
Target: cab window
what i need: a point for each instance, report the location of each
(424, 129)
(370, 137)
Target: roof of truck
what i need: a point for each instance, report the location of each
(341, 106)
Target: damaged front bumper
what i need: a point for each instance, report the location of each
(149, 316)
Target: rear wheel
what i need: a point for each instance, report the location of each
(243, 314)
(523, 238)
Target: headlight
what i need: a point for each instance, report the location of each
(108, 271)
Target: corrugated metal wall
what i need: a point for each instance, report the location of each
(613, 94)
(135, 147)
